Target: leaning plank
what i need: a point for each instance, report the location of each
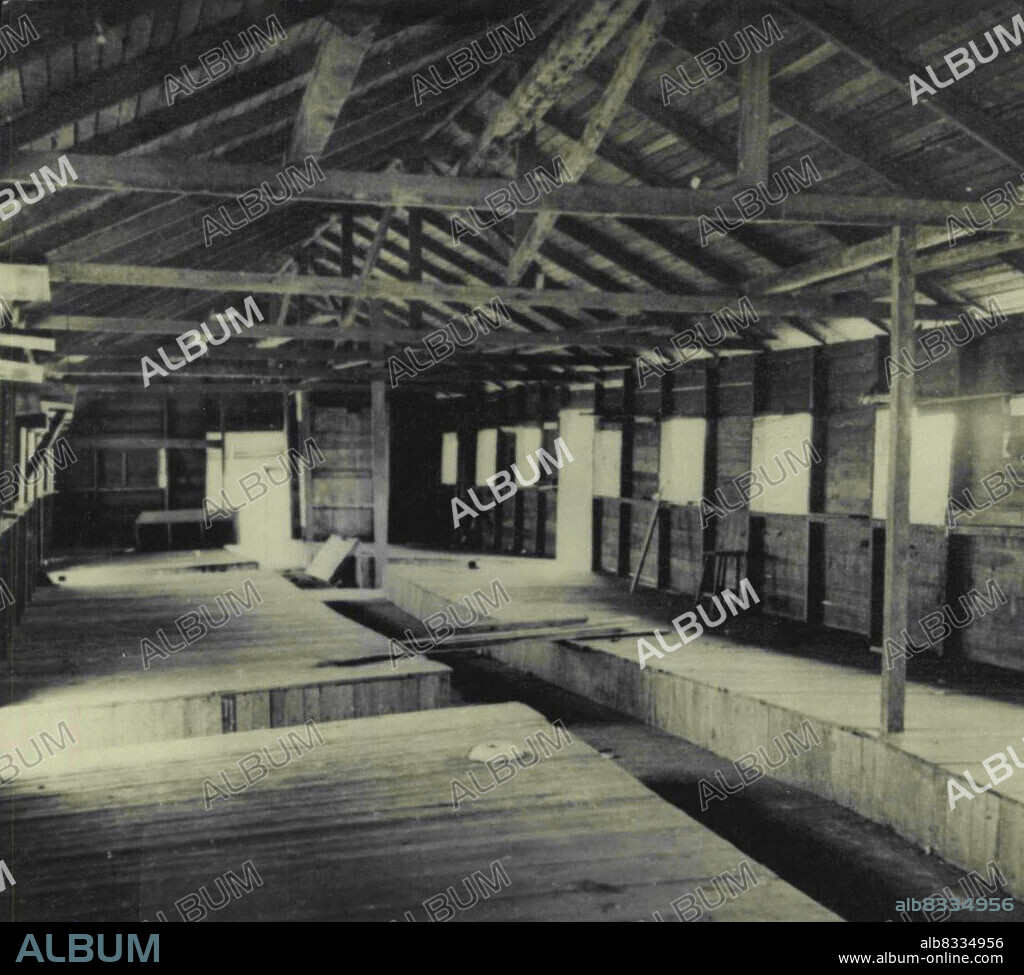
(332, 553)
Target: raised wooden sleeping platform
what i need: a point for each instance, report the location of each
(79, 658)
(362, 828)
(732, 697)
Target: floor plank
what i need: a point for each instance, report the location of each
(363, 828)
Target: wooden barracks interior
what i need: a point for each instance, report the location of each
(505, 462)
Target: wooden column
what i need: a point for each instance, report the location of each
(626, 512)
(380, 426)
(304, 423)
(755, 115)
(415, 225)
(346, 261)
(897, 521)
(7, 612)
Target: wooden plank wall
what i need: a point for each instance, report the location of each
(525, 523)
(840, 571)
(685, 548)
(824, 566)
(848, 576)
(732, 451)
(342, 486)
(845, 591)
(112, 482)
(850, 434)
(642, 471)
(929, 573)
(994, 638)
(614, 515)
(25, 518)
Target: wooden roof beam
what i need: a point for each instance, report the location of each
(274, 359)
(378, 189)
(599, 120)
(839, 261)
(930, 262)
(657, 234)
(258, 249)
(573, 47)
(281, 92)
(494, 252)
(372, 254)
(755, 119)
(785, 99)
(471, 371)
(454, 270)
(630, 335)
(330, 84)
(629, 302)
(264, 384)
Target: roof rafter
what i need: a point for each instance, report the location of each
(331, 82)
(573, 47)
(784, 98)
(108, 87)
(952, 105)
(599, 120)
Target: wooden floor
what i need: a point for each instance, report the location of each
(732, 696)
(78, 657)
(88, 568)
(363, 828)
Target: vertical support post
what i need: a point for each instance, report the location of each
(755, 116)
(7, 611)
(380, 427)
(626, 471)
(897, 522)
(346, 260)
(415, 224)
(819, 425)
(304, 422)
(712, 381)
(168, 460)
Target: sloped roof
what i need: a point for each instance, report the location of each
(95, 84)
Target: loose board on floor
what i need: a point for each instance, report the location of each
(332, 553)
